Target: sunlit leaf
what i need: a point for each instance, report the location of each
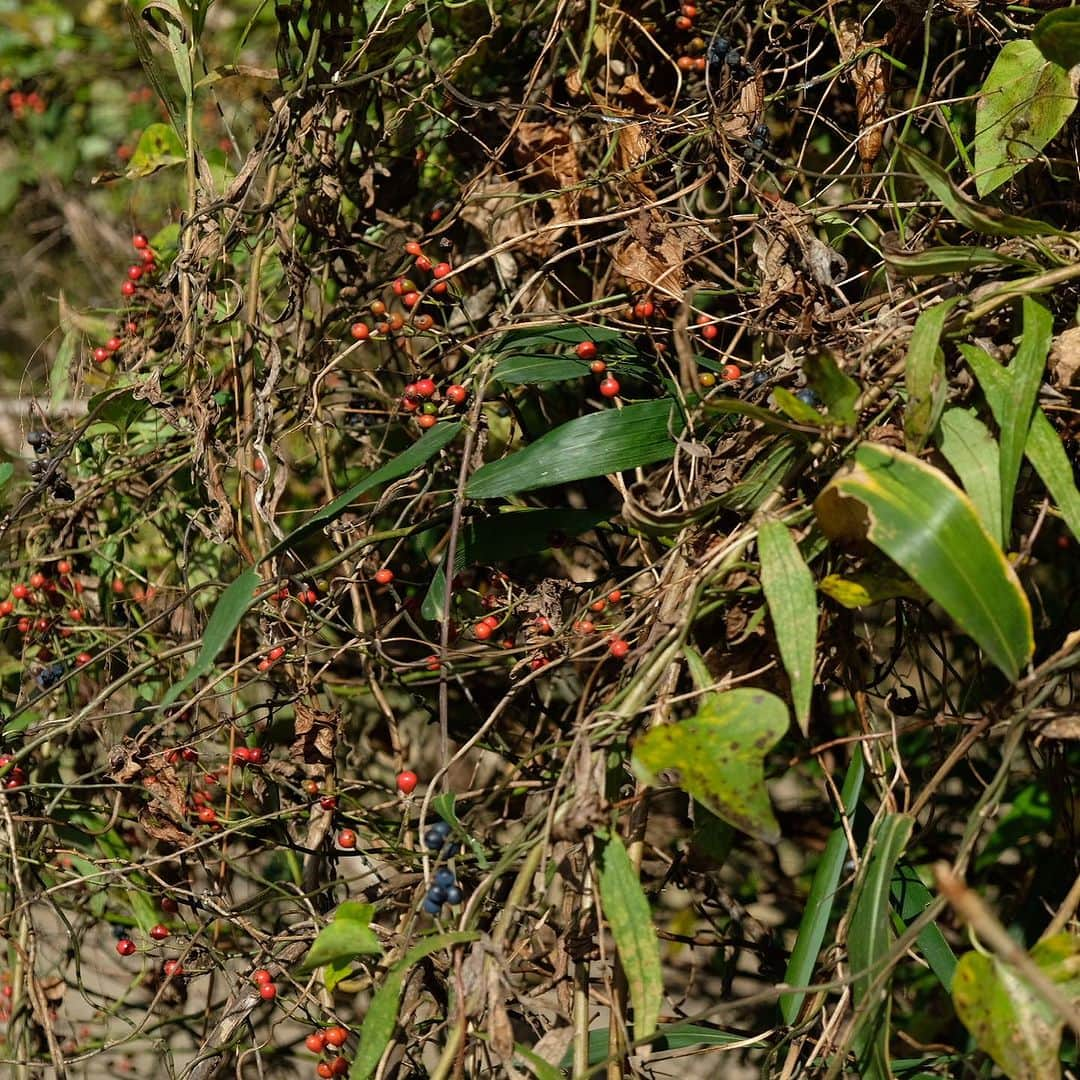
(970, 449)
(158, 147)
(924, 376)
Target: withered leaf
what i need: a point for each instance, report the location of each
(316, 736)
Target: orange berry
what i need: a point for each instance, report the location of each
(731, 372)
(426, 421)
(346, 838)
(482, 631)
(361, 331)
(619, 648)
(384, 575)
(456, 394)
(442, 270)
(610, 387)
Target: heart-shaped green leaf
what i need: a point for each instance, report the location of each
(1007, 1018)
(1057, 36)
(348, 937)
(718, 757)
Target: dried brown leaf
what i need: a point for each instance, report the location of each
(316, 734)
(1065, 356)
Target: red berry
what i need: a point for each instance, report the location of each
(482, 631)
(598, 605)
(316, 1042)
(619, 648)
(346, 838)
(413, 248)
(537, 662)
(276, 653)
(731, 372)
(324, 1070)
(377, 308)
(422, 263)
(339, 1066)
(584, 626)
(543, 624)
(328, 803)
(169, 905)
(598, 367)
(427, 421)
(261, 975)
(311, 596)
(312, 787)
(20, 592)
(683, 23)
(139, 241)
(189, 753)
(644, 309)
(159, 932)
(456, 394)
(710, 332)
(134, 272)
(402, 285)
(241, 755)
(336, 1035)
(256, 755)
(425, 387)
(128, 288)
(24, 626)
(100, 354)
(397, 321)
(125, 946)
(173, 968)
(119, 587)
(689, 11)
(440, 287)
(615, 595)
(147, 256)
(407, 781)
(442, 269)
(63, 567)
(264, 665)
(268, 991)
(423, 323)
(609, 387)
(361, 331)
(411, 299)
(586, 350)
(207, 815)
(384, 575)
(686, 63)
(6, 607)
(132, 328)
(37, 579)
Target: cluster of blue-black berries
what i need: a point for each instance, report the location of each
(445, 888)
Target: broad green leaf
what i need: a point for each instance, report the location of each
(159, 147)
(924, 376)
(1017, 406)
(6, 471)
(504, 536)
(228, 611)
(1008, 1020)
(561, 335)
(837, 390)
(761, 478)
(527, 368)
(947, 260)
(970, 449)
(1057, 36)
(819, 902)
(1043, 448)
(931, 529)
(718, 757)
(910, 898)
(421, 451)
(869, 938)
(381, 1017)
(797, 409)
(865, 587)
(627, 912)
(540, 1068)
(348, 937)
(971, 214)
(594, 445)
(140, 35)
(60, 370)
(120, 408)
(789, 592)
(1025, 101)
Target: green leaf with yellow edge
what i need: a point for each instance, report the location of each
(866, 588)
(158, 147)
(919, 518)
(789, 592)
(718, 757)
(1006, 1017)
(627, 912)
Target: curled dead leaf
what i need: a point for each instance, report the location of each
(316, 734)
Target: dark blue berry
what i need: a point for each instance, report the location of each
(451, 850)
(441, 827)
(759, 377)
(444, 877)
(432, 907)
(120, 932)
(454, 895)
(433, 840)
(807, 396)
(437, 894)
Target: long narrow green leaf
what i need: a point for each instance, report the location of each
(1044, 449)
(667, 1037)
(924, 376)
(869, 937)
(927, 525)
(381, 1017)
(1025, 376)
(226, 616)
(819, 903)
(948, 260)
(970, 449)
(910, 899)
(789, 592)
(593, 445)
(627, 912)
(421, 451)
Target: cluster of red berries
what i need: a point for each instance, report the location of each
(146, 267)
(305, 595)
(20, 104)
(330, 1039)
(587, 351)
(249, 755)
(693, 59)
(55, 591)
(265, 982)
(410, 296)
(15, 776)
(421, 397)
(272, 657)
(729, 373)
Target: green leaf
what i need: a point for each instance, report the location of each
(421, 451)
(970, 449)
(1017, 406)
(865, 587)
(559, 335)
(443, 805)
(869, 938)
(819, 903)
(381, 1016)
(627, 912)
(789, 592)
(541, 1069)
(947, 260)
(718, 757)
(837, 390)
(504, 536)
(60, 370)
(1025, 101)
(526, 368)
(667, 1037)
(594, 445)
(6, 471)
(349, 936)
(924, 376)
(972, 214)
(931, 529)
(910, 898)
(228, 611)
(796, 408)
(1057, 37)
(1007, 1019)
(118, 408)
(158, 147)
(1043, 448)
